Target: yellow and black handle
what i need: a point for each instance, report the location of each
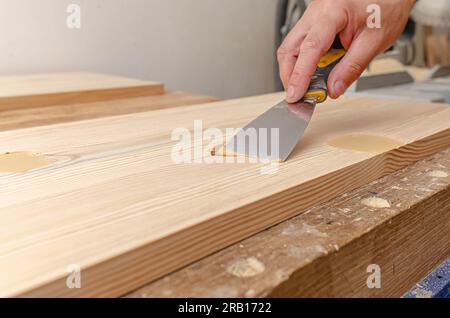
(318, 91)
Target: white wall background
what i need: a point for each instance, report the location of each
(217, 47)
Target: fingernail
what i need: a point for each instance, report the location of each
(290, 94)
(338, 89)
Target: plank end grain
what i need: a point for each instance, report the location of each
(39, 116)
(40, 90)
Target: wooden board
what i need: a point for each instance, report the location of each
(38, 116)
(326, 252)
(118, 207)
(391, 65)
(437, 47)
(67, 88)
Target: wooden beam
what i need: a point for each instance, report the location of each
(68, 88)
(326, 252)
(116, 204)
(38, 116)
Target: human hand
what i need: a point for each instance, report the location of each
(316, 31)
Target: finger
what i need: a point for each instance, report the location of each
(358, 57)
(287, 57)
(287, 54)
(315, 45)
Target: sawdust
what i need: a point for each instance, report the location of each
(304, 229)
(247, 267)
(421, 293)
(374, 202)
(251, 293)
(306, 252)
(437, 174)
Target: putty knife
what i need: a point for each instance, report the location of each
(280, 128)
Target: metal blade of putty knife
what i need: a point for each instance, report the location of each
(275, 133)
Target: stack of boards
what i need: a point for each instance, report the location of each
(28, 91)
(30, 100)
(114, 201)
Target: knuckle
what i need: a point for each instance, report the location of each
(310, 44)
(280, 54)
(298, 74)
(302, 70)
(355, 68)
(282, 51)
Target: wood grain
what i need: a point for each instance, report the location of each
(39, 116)
(326, 251)
(117, 205)
(67, 88)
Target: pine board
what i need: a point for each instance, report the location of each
(327, 251)
(39, 116)
(25, 91)
(117, 206)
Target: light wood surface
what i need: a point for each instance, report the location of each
(39, 116)
(326, 252)
(390, 65)
(27, 91)
(437, 47)
(116, 205)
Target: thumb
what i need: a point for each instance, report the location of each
(358, 57)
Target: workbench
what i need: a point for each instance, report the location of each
(327, 251)
(400, 224)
